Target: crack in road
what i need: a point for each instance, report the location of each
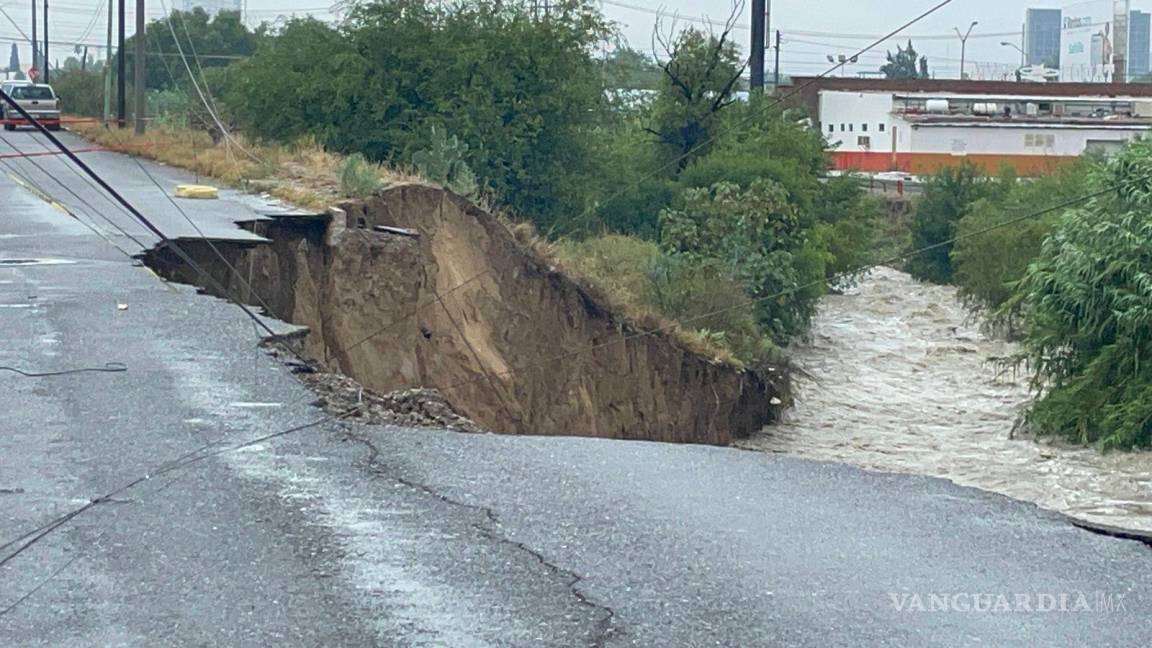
(605, 628)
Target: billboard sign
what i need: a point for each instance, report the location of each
(1086, 41)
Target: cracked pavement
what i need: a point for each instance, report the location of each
(348, 535)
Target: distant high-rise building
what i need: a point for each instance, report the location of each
(213, 7)
(1042, 37)
(1139, 45)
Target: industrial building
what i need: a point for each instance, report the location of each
(1139, 45)
(1042, 37)
(917, 127)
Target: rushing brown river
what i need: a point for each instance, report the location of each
(895, 378)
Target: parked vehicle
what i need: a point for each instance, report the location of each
(39, 101)
(7, 87)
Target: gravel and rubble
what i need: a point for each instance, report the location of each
(344, 397)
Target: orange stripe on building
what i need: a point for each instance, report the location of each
(922, 164)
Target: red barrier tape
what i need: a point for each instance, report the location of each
(94, 149)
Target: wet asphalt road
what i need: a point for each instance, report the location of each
(369, 536)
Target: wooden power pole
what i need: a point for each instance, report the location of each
(121, 74)
(139, 65)
(108, 68)
(47, 65)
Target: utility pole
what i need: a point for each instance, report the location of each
(139, 79)
(121, 74)
(47, 65)
(776, 80)
(108, 69)
(35, 41)
(758, 46)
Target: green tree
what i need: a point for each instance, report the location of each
(522, 93)
(629, 69)
(759, 140)
(947, 197)
(207, 42)
(905, 64)
(759, 240)
(1087, 301)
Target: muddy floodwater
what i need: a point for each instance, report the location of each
(895, 379)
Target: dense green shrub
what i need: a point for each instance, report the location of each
(757, 238)
(987, 267)
(358, 177)
(81, 93)
(947, 197)
(1087, 300)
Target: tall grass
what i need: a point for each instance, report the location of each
(302, 173)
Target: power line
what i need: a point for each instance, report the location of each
(45, 195)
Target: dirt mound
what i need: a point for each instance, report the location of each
(458, 305)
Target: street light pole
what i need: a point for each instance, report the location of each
(1023, 56)
(964, 44)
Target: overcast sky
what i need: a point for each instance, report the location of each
(829, 24)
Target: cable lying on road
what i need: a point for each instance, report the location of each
(35, 535)
(109, 367)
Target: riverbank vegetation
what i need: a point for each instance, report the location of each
(1063, 264)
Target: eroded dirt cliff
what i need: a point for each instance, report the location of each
(465, 308)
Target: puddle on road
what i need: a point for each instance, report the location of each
(899, 382)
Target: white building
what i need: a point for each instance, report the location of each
(919, 132)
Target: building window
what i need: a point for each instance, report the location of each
(1039, 140)
(864, 141)
(864, 128)
(881, 128)
(851, 127)
(831, 128)
(842, 128)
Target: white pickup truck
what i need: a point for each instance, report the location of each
(39, 101)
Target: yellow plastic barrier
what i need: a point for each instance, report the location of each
(197, 191)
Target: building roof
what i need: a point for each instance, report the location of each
(808, 88)
(1019, 97)
(987, 121)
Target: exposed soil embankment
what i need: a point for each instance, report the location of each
(464, 308)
